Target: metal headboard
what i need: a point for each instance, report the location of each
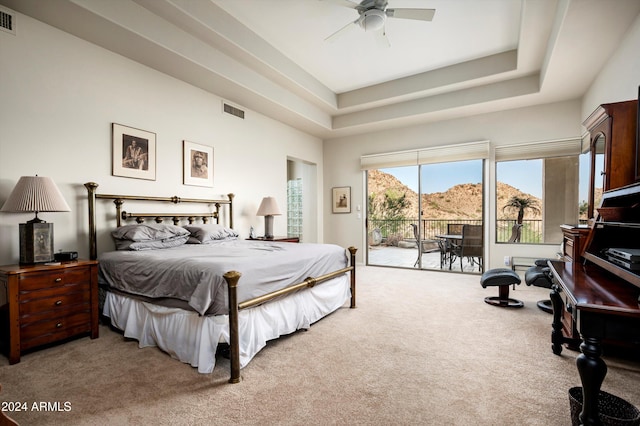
(122, 215)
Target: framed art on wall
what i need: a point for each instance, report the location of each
(198, 164)
(134, 152)
(341, 199)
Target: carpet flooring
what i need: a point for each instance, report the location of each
(421, 348)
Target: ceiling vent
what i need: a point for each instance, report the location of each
(7, 21)
(230, 109)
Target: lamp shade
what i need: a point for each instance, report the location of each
(268, 207)
(35, 194)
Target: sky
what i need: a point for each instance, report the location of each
(524, 175)
(442, 176)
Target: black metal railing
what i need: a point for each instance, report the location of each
(400, 229)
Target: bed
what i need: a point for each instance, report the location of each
(186, 283)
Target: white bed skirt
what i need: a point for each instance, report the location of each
(193, 339)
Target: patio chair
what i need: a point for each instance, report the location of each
(427, 247)
(470, 247)
(516, 231)
(454, 228)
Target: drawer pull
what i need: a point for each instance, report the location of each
(58, 302)
(58, 280)
(58, 325)
(569, 308)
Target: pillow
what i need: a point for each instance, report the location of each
(207, 233)
(148, 232)
(149, 236)
(151, 244)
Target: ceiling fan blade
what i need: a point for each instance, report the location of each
(381, 38)
(418, 14)
(342, 31)
(344, 3)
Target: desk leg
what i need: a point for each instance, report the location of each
(556, 326)
(592, 371)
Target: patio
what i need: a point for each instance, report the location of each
(381, 255)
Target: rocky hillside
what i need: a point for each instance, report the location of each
(462, 201)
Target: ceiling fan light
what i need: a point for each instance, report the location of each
(372, 20)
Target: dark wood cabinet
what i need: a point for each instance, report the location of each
(49, 303)
(573, 241)
(617, 228)
(597, 299)
(612, 131)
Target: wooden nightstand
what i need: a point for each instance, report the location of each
(49, 303)
(277, 239)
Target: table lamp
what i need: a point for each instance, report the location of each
(36, 194)
(268, 208)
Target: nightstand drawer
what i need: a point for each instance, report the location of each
(53, 305)
(35, 281)
(52, 329)
(29, 296)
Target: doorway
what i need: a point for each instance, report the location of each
(416, 215)
(302, 196)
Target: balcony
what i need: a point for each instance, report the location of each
(393, 231)
(398, 247)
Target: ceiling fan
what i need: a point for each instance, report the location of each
(373, 15)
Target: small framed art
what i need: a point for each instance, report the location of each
(198, 164)
(134, 152)
(341, 199)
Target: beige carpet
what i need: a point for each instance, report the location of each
(421, 348)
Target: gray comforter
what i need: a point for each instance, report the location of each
(193, 272)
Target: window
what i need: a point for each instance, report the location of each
(538, 182)
(294, 208)
(534, 197)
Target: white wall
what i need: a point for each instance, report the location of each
(60, 95)
(619, 79)
(539, 123)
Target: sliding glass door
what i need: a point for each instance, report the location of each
(392, 209)
(414, 214)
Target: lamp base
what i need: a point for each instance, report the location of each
(36, 243)
(268, 227)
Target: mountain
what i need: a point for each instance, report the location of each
(462, 201)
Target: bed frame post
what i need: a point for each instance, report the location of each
(230, 195)
(232, 278)
(352, 261)
(93, 245)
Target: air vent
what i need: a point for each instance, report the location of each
(229, 109)
(7, 22)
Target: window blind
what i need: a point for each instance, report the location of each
(391, 159)
(437, 154)
(542, 149)
(458, 152)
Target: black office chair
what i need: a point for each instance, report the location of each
(539, 275)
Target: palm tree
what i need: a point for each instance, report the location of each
(522, 203)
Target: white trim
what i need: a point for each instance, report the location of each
(437, 154)
(541, 149)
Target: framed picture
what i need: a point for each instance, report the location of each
(341, 199)
(197, 164)
(134, 152)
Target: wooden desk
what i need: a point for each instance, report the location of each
(603, 306)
